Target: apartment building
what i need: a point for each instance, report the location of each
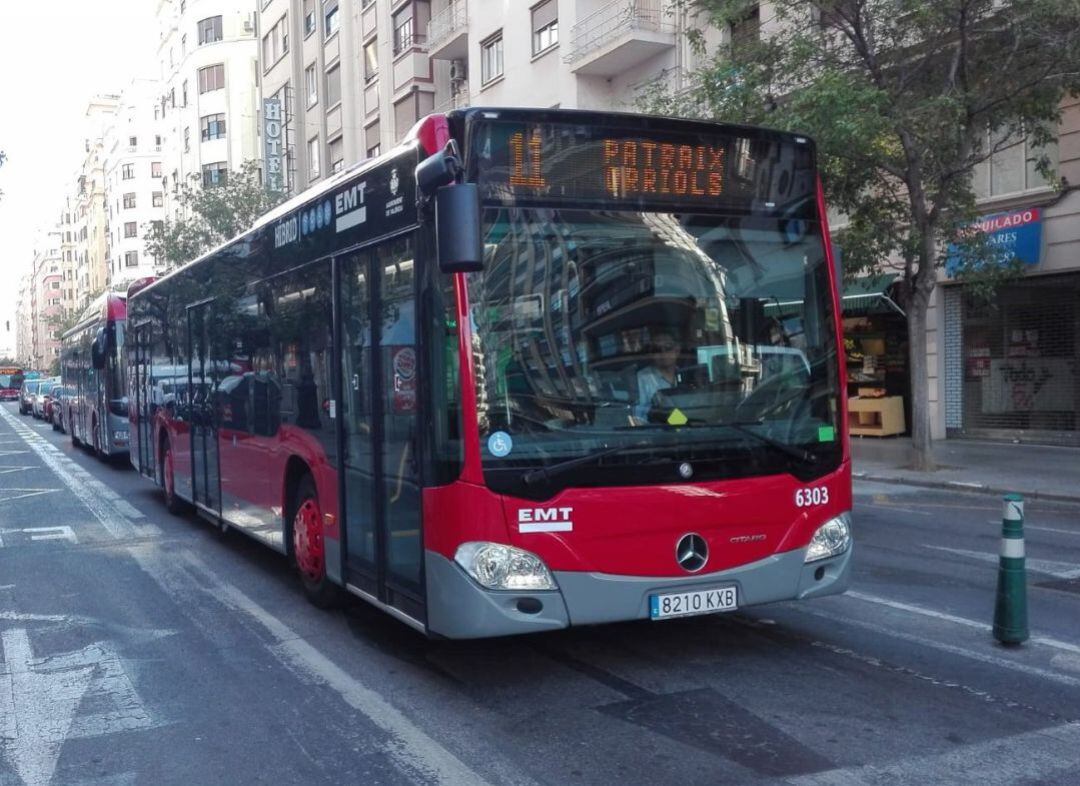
(348, 76)
(133, 175)
(24, 321)
(208, 90)
(46, 302)
(89, 219)
(68, 242)
(353, 76)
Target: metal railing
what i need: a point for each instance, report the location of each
(447, 22)
(615, 19)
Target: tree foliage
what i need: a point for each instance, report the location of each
(904, 98)
(210, 215)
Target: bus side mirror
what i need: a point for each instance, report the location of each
(457, 228)
(97, 350)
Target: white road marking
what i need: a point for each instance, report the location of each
(52, 533)
(1059, 570)
(112, 519)
(9, 470)
(412, 750)
(40, 706)
(43, 696)
(10, 495)
(939, 615)
(15, 616)
(1039, 755)
(952, 649)
(12, 452)
(1053, 529)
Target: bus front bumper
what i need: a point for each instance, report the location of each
(459, 608)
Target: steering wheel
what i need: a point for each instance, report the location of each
(771, 396)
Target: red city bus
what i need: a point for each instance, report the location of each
(531, 369)
(92, 369)
(11, 379)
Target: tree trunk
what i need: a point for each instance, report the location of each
(922, 457)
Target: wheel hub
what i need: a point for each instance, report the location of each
(308, 540)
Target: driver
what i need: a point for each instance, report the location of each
(661, 375)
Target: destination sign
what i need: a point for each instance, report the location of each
(516, 161)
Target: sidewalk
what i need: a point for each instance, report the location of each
(1036, 471)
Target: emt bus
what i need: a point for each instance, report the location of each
(92, 370)
(531, 369)
(11, 379)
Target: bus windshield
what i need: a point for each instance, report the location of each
(704, 338)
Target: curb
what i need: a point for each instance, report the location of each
(957, 485)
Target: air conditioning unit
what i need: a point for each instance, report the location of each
(457, 71)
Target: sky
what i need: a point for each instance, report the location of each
(51, 63)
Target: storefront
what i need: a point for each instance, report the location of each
(876, 349)
(1012, 365)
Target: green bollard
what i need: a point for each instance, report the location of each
(1010, 609)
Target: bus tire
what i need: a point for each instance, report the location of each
(75, 441)
(308, 545)
(96, 440)
(173, 503)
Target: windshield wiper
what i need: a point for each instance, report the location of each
(803, 455)
(534, 476)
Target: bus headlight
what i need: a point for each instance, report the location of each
(832, 538)
(499, 567)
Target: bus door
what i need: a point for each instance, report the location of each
(384, 547)
(140, 397)
(203, 370)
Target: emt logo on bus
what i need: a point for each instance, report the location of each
(643, 167)
(545, 520)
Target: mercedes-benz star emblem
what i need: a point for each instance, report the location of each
(692, 552)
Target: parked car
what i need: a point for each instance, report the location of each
(37, 406)
(60, 404)
(9, 394)
(48, 399)
(26, 395)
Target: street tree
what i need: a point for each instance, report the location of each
(209, 215)
(904, 98)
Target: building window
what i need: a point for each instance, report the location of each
(545, 25)
(159, 199)
(336, 154)
(403, 29)
(127, 171)
(56, 285)
(330, 19)
(187, 139)
(371, 59)
(183, 94)
(209, 30)
(129, 201)
(1012, 169)
(373, 151)
(155, 169)
(311, 80)
(214, 174)
(491, 58)
(333, 86)
(133, 141)
(275, 44)
(313, 158)
(131, 258)
(309, 17)
(131, 229)
(213, 127)
(211, 78)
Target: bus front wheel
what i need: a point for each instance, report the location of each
(309, 546)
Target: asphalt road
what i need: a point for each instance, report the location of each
(138, 647)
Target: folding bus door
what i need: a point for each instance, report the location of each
(203, 373)
(380, 403)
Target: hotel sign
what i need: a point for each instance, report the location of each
(273, 144)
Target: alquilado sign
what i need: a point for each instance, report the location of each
(1016, 234)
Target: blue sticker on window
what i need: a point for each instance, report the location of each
(500, 444)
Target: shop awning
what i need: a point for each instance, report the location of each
(869, 295)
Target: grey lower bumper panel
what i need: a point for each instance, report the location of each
(458, 608)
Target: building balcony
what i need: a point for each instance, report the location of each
(448, 32)
(619, 36)
(458, 100)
